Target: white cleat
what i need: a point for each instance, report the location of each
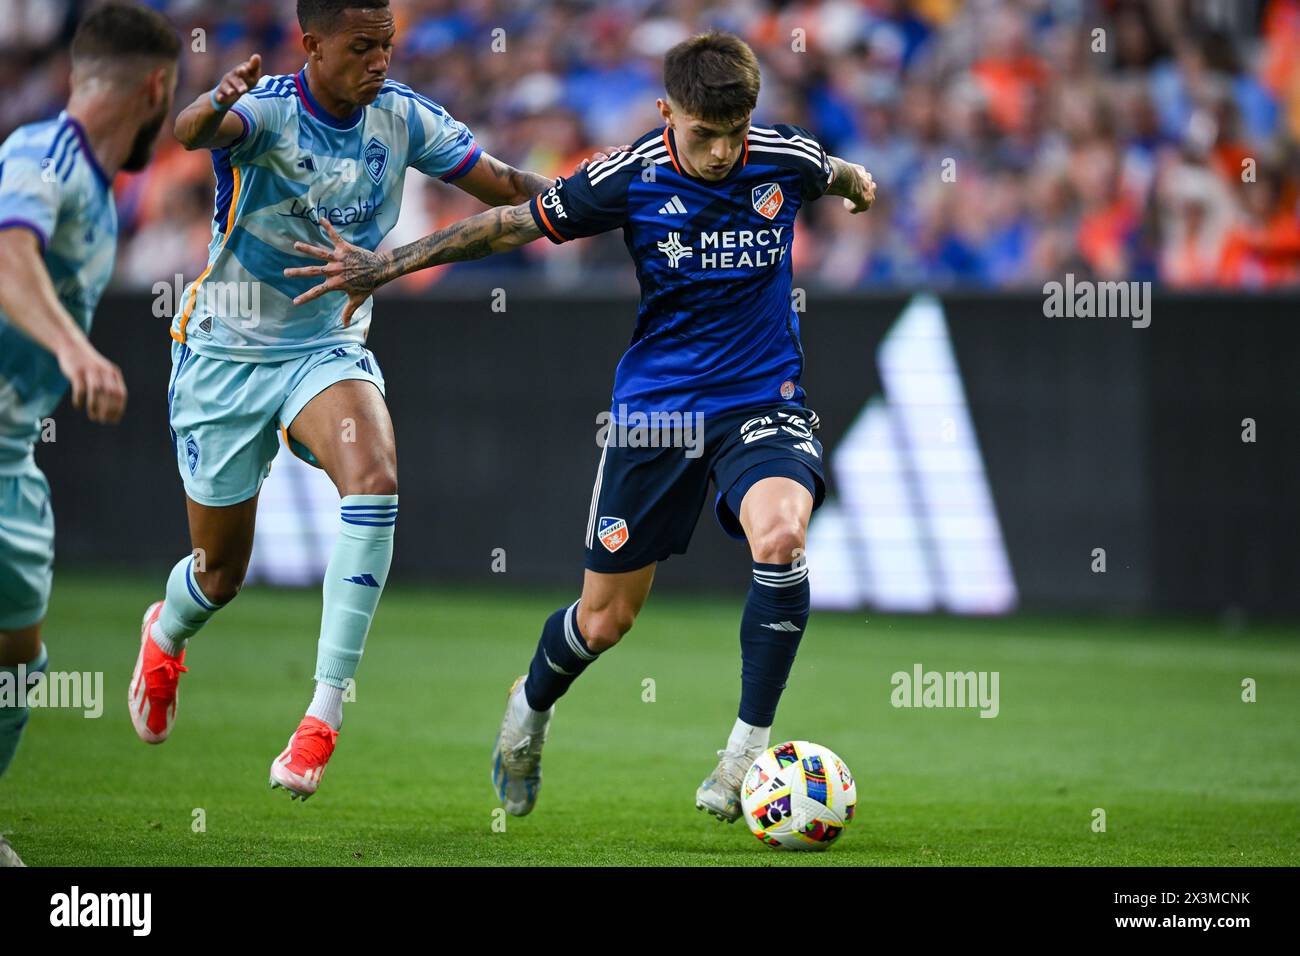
(517, 757)
(719, 794)
(8, 856)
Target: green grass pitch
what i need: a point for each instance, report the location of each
(1142, 719)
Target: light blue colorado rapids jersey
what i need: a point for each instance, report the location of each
(293, 166)
(51, 184)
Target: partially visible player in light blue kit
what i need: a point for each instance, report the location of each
(298, 157)
(58, 238)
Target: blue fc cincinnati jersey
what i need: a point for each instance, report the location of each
(293, 166)
(715, 330)
(51, 184)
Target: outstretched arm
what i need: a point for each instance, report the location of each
(497, 184)
(358, 272)
(207, 123)
(854, 183)
(500, 184)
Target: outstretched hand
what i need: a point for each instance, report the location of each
(238, 81)
(348, 268)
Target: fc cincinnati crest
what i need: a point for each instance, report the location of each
(376, 157)
(768, 200)
(612, 533)
(192, 453)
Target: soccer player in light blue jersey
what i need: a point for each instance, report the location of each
(58, 238)
(326, 147)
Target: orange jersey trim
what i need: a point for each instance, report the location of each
(669, 146)
(546, 222)
(194, 292)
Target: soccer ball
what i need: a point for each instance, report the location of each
(798, 795)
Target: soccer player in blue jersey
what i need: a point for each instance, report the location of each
(329, 146)
(707, 207)
(58, 238)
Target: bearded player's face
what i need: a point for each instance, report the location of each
(161, 89)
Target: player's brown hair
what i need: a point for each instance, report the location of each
(116, 30)
(713, 76)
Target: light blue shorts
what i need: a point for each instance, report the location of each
(227, 417)
(26, 547)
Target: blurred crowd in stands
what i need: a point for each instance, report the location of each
(1013, 140)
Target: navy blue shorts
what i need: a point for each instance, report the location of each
(649, 492)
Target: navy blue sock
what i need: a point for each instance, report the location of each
(776, 613)
(561, 656)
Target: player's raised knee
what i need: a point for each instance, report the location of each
(604, 627)
(778, 542)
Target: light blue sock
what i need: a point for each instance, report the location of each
(185, 609)
(354, 580)
(12, 717)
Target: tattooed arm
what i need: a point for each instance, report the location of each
(852, 182)
(497, 230)
(498, 184)
(358, 272)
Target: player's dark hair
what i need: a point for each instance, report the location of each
(713, 76)
(321, 16)
(115, 30)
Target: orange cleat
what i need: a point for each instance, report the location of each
(152, 695)
(301, 765)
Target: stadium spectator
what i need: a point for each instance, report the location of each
(1012, 139)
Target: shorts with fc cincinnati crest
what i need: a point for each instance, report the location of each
(650, 488)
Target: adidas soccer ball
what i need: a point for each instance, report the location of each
(798, 795)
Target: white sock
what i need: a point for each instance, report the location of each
(532, 720)
(746, 737)
(165, 644)
(327, 704)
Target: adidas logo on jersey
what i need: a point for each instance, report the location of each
(806, 446)
(308, 164)
(673, 207)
